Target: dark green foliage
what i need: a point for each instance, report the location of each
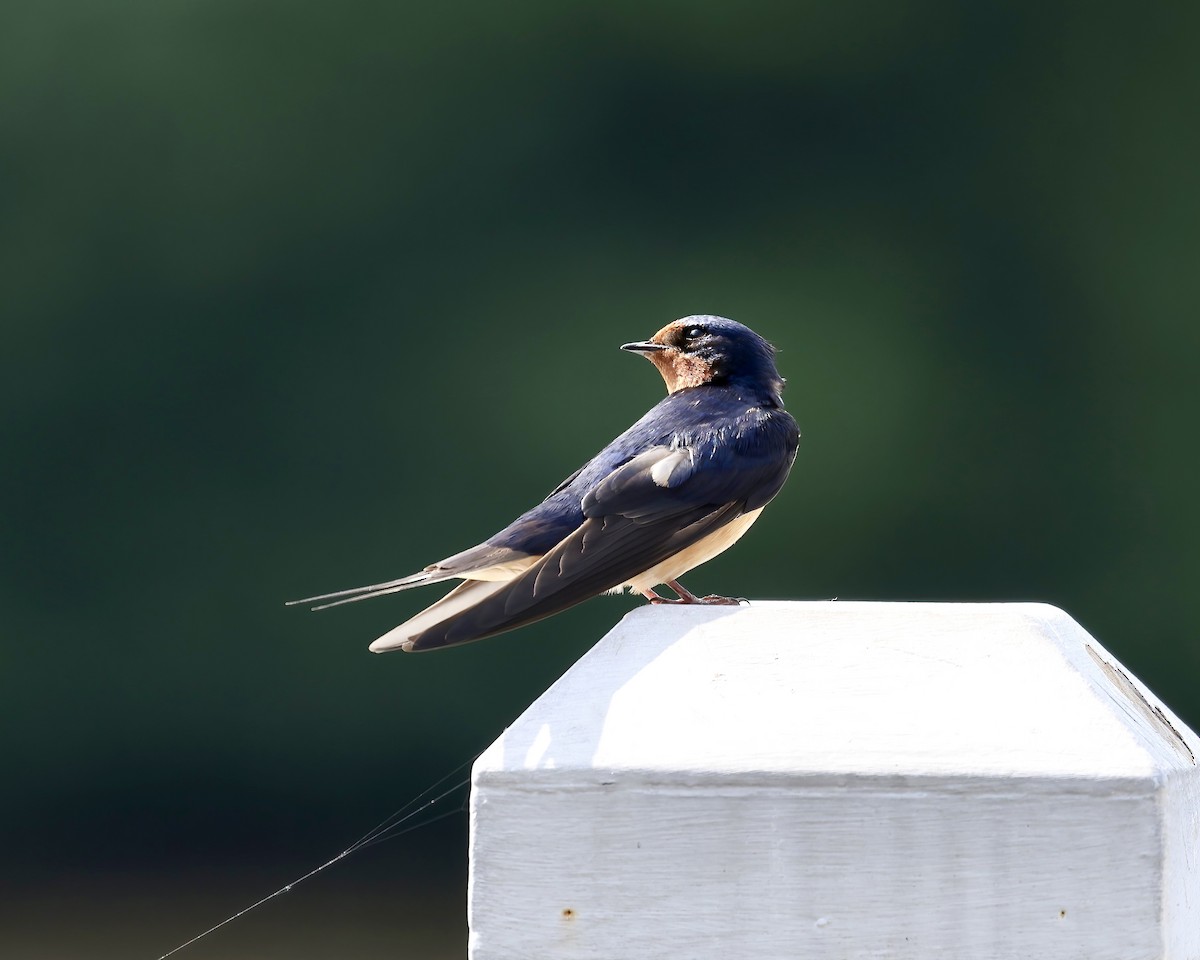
(283, 283)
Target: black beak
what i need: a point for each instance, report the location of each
(643, 346)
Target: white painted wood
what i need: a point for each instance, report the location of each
(840, 780)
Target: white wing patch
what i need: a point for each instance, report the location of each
(674, 468)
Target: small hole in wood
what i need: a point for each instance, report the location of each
(568, 913)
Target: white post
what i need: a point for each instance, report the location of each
(840, 780)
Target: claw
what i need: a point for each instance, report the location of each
(716, 601)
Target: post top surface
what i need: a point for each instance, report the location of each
(847, 688)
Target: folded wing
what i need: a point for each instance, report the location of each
(655, 505)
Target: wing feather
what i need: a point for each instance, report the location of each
(602, 554)
(642, 512)
(484, 562)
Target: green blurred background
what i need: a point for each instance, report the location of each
(300, 296)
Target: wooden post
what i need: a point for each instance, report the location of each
(840, 780)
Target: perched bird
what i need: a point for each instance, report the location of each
(674, 490)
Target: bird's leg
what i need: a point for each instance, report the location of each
(656, 598)
(686, 596)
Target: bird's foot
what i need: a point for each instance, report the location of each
(687, 598)
(711, 600)
(658, 600)
(717, 601)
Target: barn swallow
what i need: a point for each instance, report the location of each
(674, 490)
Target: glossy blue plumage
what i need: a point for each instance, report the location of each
(676, 488)
(728, 427)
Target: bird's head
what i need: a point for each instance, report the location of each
(703, 350)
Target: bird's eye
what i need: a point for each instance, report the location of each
(693, 333)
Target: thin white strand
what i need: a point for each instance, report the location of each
(377, 833)
(384, 830)
(402, 813)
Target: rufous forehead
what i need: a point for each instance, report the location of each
(668, 334)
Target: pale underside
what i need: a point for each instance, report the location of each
(699, 552)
